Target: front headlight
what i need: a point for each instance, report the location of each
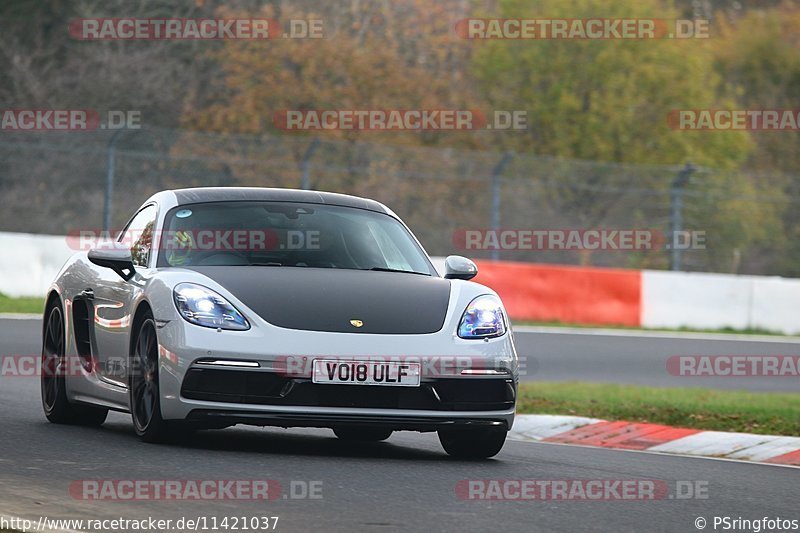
(204, 307)
(483, 319)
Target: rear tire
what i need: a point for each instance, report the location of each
(56, 405)
(362, 434)
(480, 443)
(145, 395)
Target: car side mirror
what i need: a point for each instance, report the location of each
(457, 267)
(116, 257)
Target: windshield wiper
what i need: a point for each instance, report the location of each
(265, 264)
(385, 269)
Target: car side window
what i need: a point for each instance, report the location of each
(139, 235)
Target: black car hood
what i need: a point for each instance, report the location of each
(327, 299)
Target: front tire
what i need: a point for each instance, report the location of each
(362, 434)
(56, 405)
(472, 443)
(145, 395)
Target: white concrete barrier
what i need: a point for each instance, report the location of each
(774, 305)
(716, 301)
(29, 263)
(697, 300)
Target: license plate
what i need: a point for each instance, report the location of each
(387, 373)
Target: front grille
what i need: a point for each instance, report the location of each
(267, 388)
(232, 386)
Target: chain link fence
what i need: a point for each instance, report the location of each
(56, 183)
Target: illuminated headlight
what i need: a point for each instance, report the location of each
(483, 319)
(204, 307)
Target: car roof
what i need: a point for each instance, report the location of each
(234, 194)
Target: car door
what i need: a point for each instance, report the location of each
(112, 298)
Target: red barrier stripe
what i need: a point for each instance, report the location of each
(625, 435)
(791, 458)
(643, 436)
(578, 435)
(572, 295)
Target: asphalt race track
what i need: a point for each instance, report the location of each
(639, 358)
(560, 354)
(406, 483)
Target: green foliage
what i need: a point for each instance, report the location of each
(763, 413)
(607, 99)
(597, 101)
(759, 57)
(25, 304)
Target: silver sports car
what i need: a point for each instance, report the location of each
(277, 307)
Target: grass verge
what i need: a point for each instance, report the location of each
(26, 304)
(720, 410)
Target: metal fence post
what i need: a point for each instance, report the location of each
(676, 214)
(306, 164)
(496, 191)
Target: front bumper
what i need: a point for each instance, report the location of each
(271, 389)
(210, 418)
(455, 402)
(267, 394)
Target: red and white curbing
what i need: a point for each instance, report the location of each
(657, 438)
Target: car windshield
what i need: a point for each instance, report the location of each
(287, 234)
